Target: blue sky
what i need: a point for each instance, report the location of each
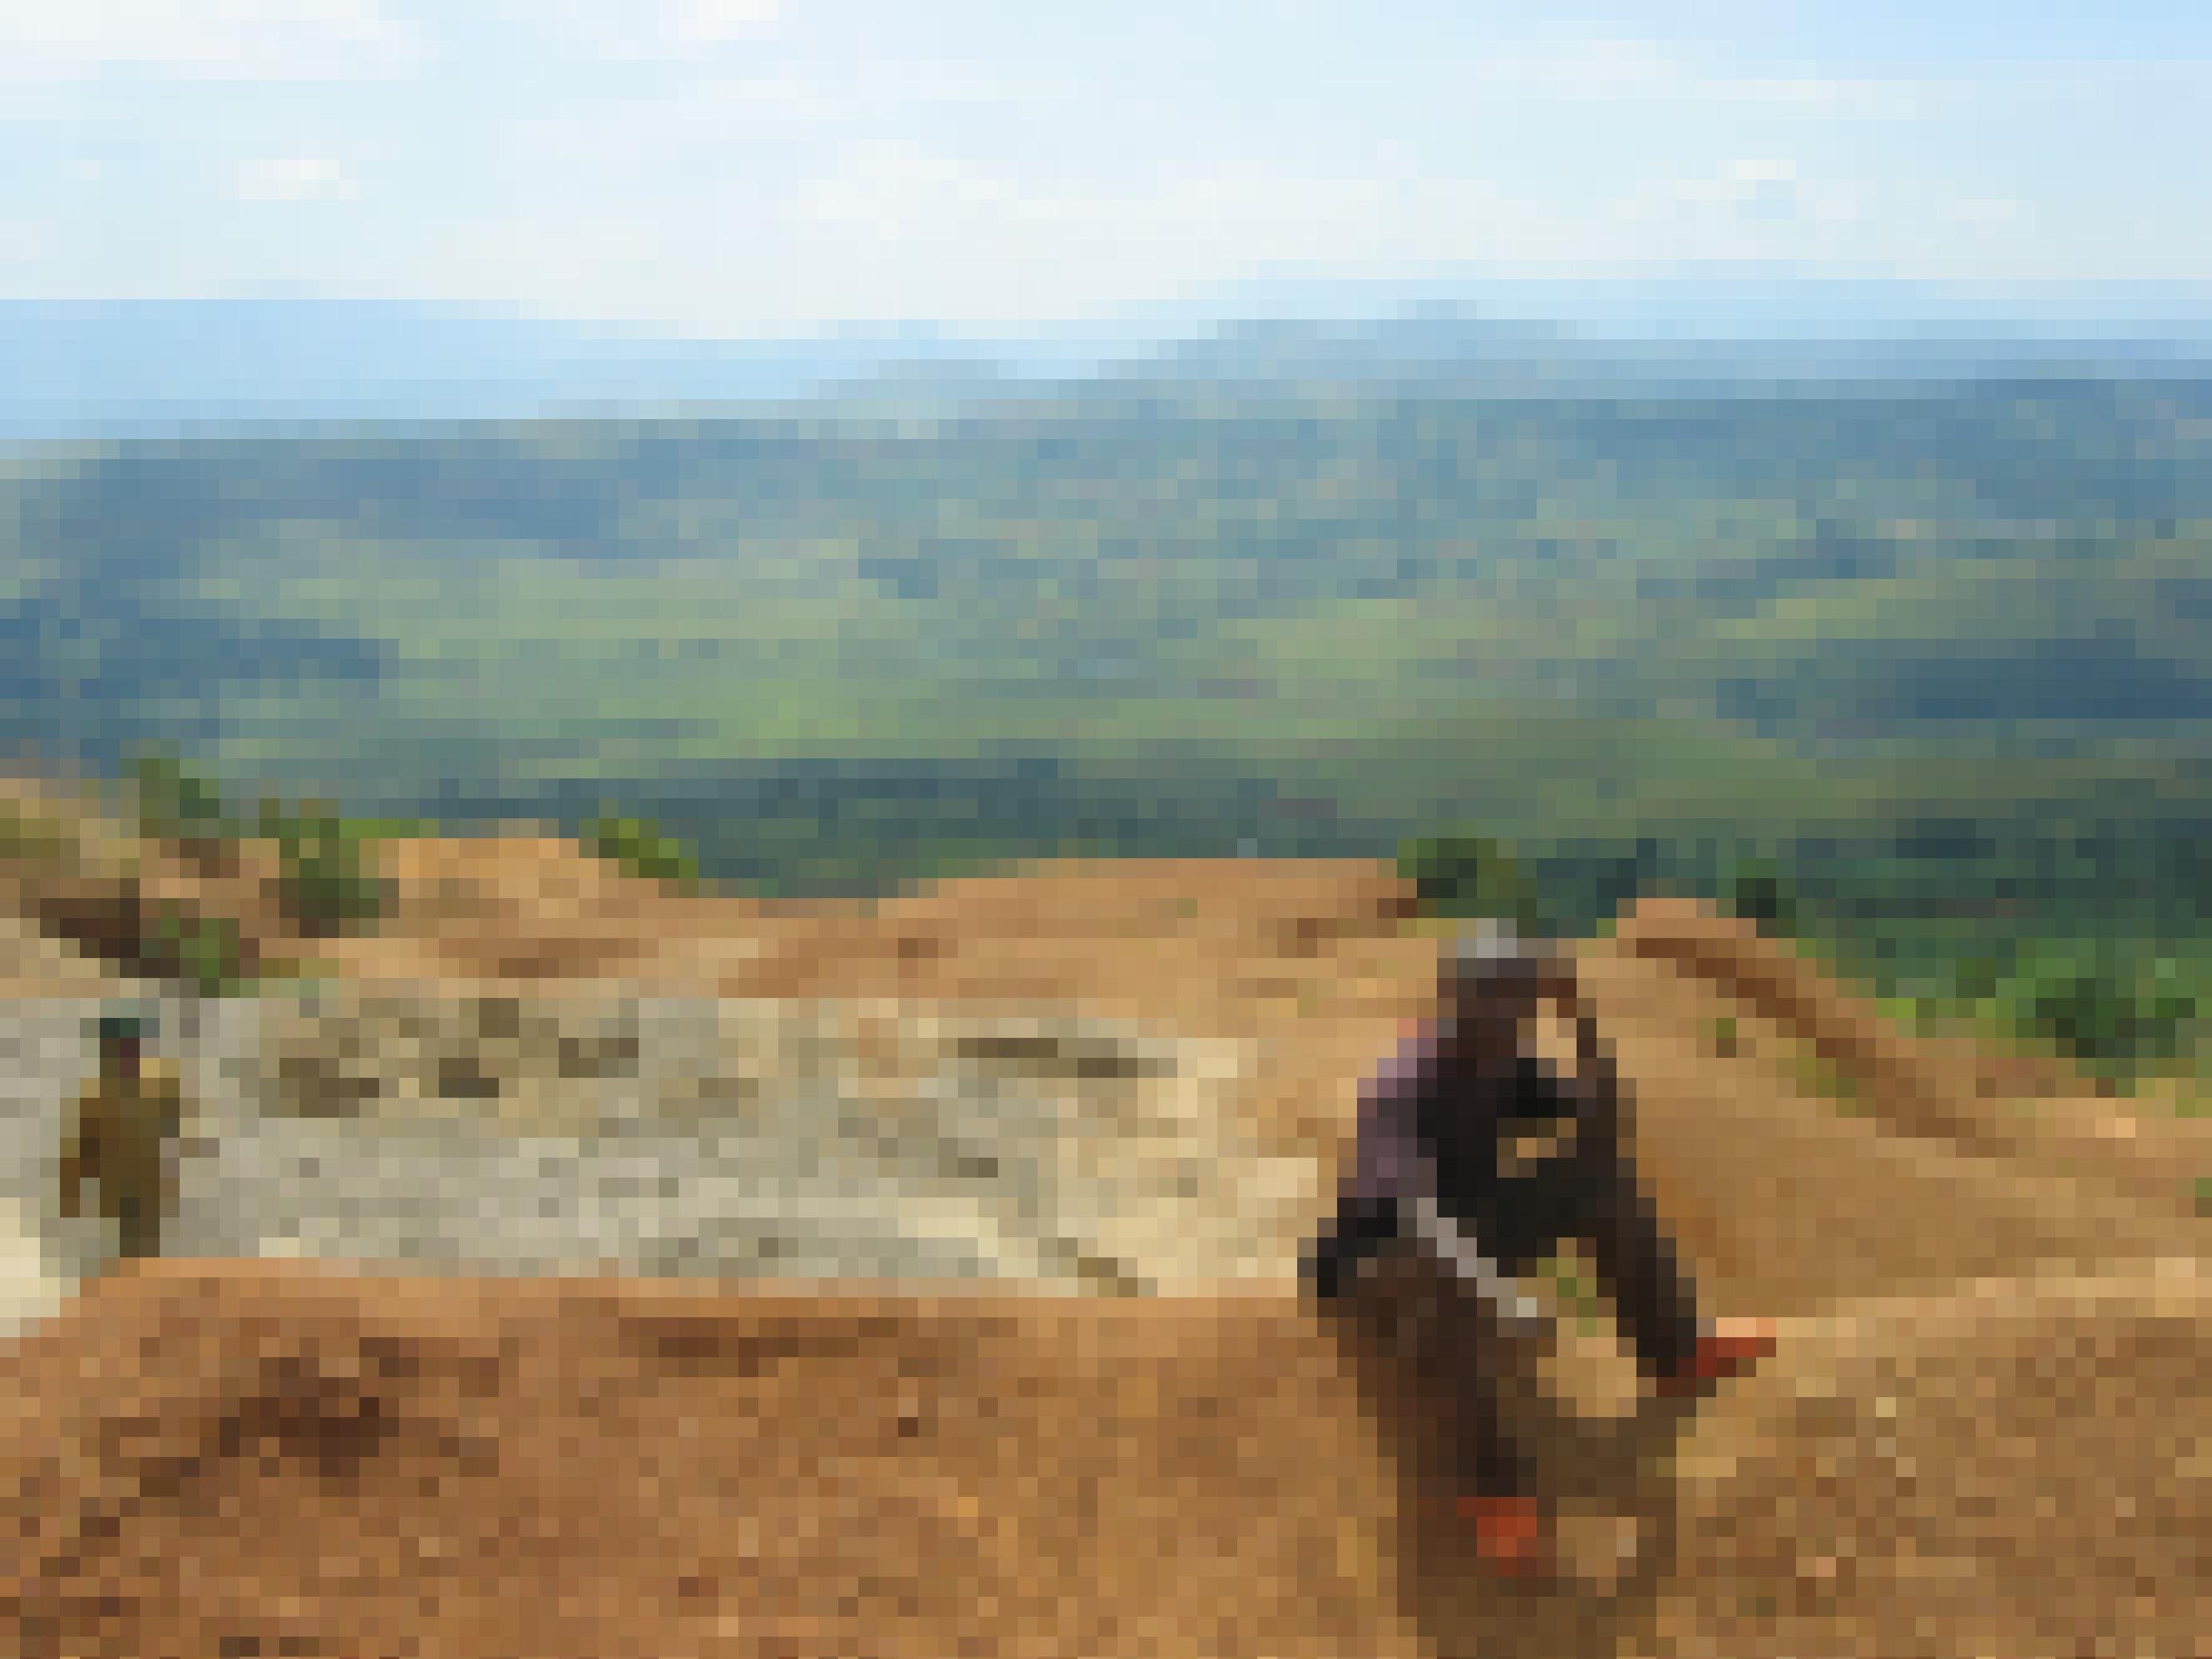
(740, 167)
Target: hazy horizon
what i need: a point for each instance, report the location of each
(743, 169)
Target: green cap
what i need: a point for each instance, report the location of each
(124, 1028)
(1494, 957)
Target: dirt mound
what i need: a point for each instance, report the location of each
(1790, 1198)
(276, 1462)
(2022, 1467)
(1925, 1086)
(34, 963)
(77, 874)
(270, 1460)
(509, 907)
(1792, 1178)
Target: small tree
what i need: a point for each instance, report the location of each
(177, 803)
(1759, 893)
(1465, 875)
(326, 885)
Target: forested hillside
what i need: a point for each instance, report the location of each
(1211, 603)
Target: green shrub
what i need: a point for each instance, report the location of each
(203, 951)
(639, 848)
(324, 884)
(1468, 875)
(2092, 1004)
(175, 803)
(30, 838)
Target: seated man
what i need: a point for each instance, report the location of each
(1472, 1149)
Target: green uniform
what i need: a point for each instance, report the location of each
(126, 1133)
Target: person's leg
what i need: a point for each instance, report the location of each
(1493, 1480)
(1460, 1362)
(1488, 1462)
(139, 1230)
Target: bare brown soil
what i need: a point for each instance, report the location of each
(1988, 1429)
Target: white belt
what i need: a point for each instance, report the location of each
(1468, 1264)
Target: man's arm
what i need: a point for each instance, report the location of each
(1386, 1164)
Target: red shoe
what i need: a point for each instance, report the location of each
(1510, 1533)
(1730, 1348)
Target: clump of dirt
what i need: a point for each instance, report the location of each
(346, 1052)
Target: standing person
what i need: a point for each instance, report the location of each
(128, 1121)
(1472, 1149)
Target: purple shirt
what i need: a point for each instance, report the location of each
(1390, 1161)
(1394, 1161)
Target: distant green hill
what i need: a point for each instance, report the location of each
(1167, 613)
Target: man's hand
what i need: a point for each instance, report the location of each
(72, 1181)
(1730, 1348)
(1360, 1228)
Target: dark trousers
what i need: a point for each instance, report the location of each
(1591, 1195)
(139, 1226)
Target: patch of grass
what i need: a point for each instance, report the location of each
(1579, 1297)
(1813, 1075)
(640, 848)
(1720, 1037)
(25, 835)
(205, 952)
(2203, 1185)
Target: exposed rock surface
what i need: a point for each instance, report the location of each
(521, 1134)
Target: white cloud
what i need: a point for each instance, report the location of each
(695, 22)
(956, 239)
(295, 179)
(1750, 189)
(1612, 70)
(1988, 210)
(1756, 208)
(204, 40)
(896, 188)
(20, 242)
(632, 30)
